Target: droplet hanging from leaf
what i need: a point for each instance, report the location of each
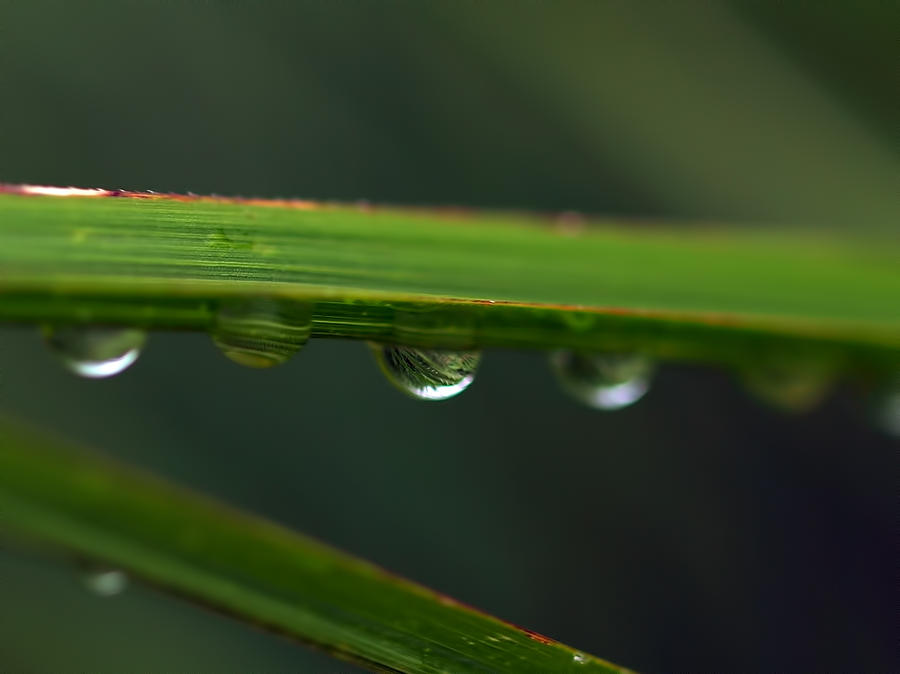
(789, 384)
(886, 408)
(95, 352)
(261, 332)
(604, 381)
(427, 374)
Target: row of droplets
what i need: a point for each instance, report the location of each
(259, 340)
(262, 334)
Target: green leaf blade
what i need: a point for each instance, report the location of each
(433, 279)
(253, 569)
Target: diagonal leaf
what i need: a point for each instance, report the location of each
(252, 569)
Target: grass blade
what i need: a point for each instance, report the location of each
(252, 569)
(437, 279)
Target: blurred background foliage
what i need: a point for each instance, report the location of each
(697, 531)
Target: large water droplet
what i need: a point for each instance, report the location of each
(604, 381)
(790, 386)
(106, 582)
(427, 374)
(261, 332)
(95, 352)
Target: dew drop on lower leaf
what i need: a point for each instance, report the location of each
(604, 381)
(106, 582)
(427, 374)
(261, 332)
(95, 351)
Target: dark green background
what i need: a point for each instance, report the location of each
(697, 531)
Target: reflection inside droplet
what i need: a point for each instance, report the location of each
(427, 374)
(93, 351)
(261, 332)
(106, 583)
(604, 381)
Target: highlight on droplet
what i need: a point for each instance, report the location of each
(603, 381)
(95, 352)
(106, 582)
(427, 374)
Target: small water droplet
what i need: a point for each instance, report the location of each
(604, 381)
(93, 351)
(885, 407)
(890, 414)
(261, 332)
(427, 374)
(790, 386)
(106, 582)
(579, 658)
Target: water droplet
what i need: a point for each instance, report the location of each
(604, 381)
(95, 352)
(427, 374)
(579, 658)
(885, 407)
(261, 332)
(890, 414)
(790, 386)
(107, 582)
